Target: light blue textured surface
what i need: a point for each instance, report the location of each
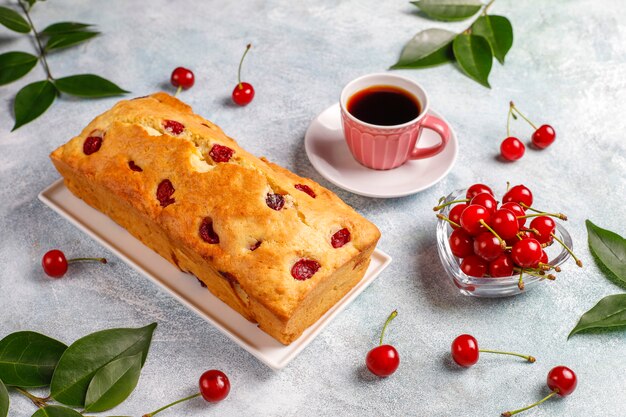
(567, 67)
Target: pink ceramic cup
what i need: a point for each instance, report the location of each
(387, 147)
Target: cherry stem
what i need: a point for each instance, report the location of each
(502, 242)
(521, 115)
(392, 316)
(529, 358)
(440, 206)
(510, 413)
(171, 404)
(240, 63)
(560, 216)
(578, 261)
(543, 213)
(101, 260)
(178, 90)
(444, 218)
(520, 282)
(38, 401)
(508, 132)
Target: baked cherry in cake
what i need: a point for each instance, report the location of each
(340, 238)
(92, 144)
(207, 233)
(304, 269)
(221, 153)
(305, 189)
(165, 190)
(173, 127)
(275, 201)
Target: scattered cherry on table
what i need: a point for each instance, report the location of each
(182, 78)
(55, 263)
(214, 386)
(383, 360)
(243, 92)
(561, 380)
(465, 351)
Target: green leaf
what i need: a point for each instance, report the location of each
(28, 359)
(4, 400)
(14, 65)
(113, 383)
(609, 248)
(609, 312)
(13, 20)
(56, 411)
(64, 27)
(449, 10)
(85, 357)
(498, 31)
(32, 101)
(64, 40)
(88, 85)
(473, 54)
(427, 48)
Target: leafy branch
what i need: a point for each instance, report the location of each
(473, 49)
(95, 373)
(35, 98)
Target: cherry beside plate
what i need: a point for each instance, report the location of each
(329, 154)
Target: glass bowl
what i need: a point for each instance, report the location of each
(491, 287)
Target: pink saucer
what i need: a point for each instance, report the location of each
(329, 154)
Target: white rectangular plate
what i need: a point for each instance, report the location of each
(180, 285)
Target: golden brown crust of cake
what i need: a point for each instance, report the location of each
(231, 194)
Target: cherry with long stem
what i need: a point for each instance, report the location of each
(447, 219)
(465, 351)
(493, 232)
(383, 360)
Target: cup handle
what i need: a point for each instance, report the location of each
(441, 128)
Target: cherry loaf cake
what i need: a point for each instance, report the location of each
(278, 248)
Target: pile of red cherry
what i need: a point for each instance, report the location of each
(493, 240)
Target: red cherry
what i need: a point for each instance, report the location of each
(214, 385)
(221, 153)
(486, 200)
(475, 189)
(455, 214)
(543, 136)
(471, 217)
(544, 258)
(504, 223)
(383, 360)
(562, 380)
(305, 189)
(512, 149)
(461, 244)
(304, 269)
(243, 92)
(487, 246)
(92, 144)
(517, 210)
(340, 238)
(526, 253)
(502, 266)
(519, 194)
(545, 226)
(54, 263)
(465, 350)
(183, 78)
(474, 266)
